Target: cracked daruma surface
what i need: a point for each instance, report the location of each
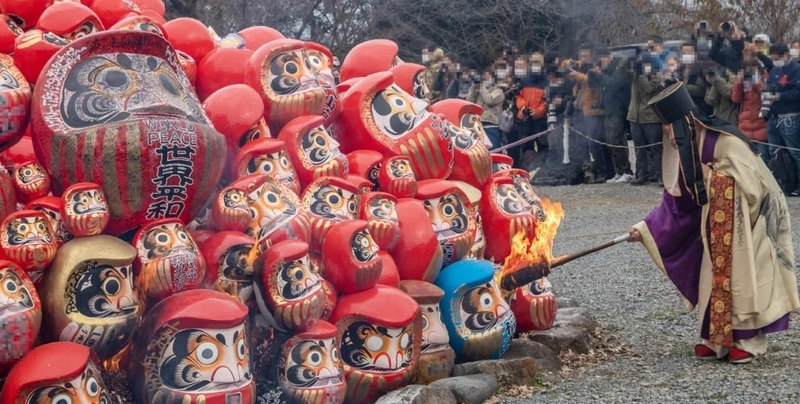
(116, 109)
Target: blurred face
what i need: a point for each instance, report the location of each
(585, 55)
(520, 68)
(760, 44)
(605, 60)
(777, 58)
(672, 64)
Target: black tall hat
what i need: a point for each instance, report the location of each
(674, 107)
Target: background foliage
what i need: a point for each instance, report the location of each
(474, 31)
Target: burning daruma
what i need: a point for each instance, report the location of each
(116, 109)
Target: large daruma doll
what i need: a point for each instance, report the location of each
(294, 78)
(378, 115)
(117, 109)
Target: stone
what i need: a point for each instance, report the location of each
(575, 317)
(564, 338)
(472, 389)
(565, 303)
(518, 372)
(419, 394)
(547, 361)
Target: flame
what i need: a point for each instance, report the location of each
(526, 252)
(253, 255)
(113, 365)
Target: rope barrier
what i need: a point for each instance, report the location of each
(522, 141)
(614, 146)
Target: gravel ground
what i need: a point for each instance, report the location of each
(632, 299)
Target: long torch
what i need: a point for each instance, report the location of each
(536, 271)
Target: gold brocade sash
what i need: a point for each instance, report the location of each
(720, 329)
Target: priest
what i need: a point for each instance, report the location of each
(722, 233)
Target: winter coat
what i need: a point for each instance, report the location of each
(490, 99)
(533, 98)
(592, 86)
(786, 82)
(750, 124)
(616, 91)
(643, 88)
(719, 97)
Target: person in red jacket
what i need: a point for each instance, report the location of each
(747, 93)
(531, 114)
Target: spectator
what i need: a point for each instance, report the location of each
(794, 51)
(719, 95)
(762, 43)
(591, 85)
(655, 47)
(783, 92)
(336, 72)
(645, 125)
(531, 115)
(747, 92)
(616, 98)
(455, 84)
(694, 78)
(728, 47)
(436, 74)
(558, 96)
(490, 96)
(585, 54)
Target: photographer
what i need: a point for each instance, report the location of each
(531, 113)
(782, 97)
(616, 98)
(719, 94)
(728, 46)
(490, 96)
(592, 85)
(646, 128)
(747, 92)
(455, 84)
(693, 78)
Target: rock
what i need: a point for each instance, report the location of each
(520, 372)
(419, 394)
(472, 389)
(563, 338)
(547, 361)
(575, 317)
(565, 302)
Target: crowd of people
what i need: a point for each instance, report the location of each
(742, 79)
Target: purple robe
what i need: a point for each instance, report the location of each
(675, 227)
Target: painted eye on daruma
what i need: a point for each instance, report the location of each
(207, 353)
(241, 349)
(92, 387)
(10, 287)
(486, 300)
(374, 343)
(115, 79)
(62, 399)
(291, 68)
(111, 287)
(315, 359)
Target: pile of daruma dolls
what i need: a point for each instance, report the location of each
(212, 219)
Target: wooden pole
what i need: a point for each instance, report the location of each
(533, 272)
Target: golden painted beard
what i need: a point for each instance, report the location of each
(163, 276)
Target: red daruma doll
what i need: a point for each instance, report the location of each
(377, 114)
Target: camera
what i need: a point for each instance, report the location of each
(702, 25)
(552, 119)
(748, 76)
(726, 26)
(766, 104)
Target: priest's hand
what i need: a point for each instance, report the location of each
(635, 236)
